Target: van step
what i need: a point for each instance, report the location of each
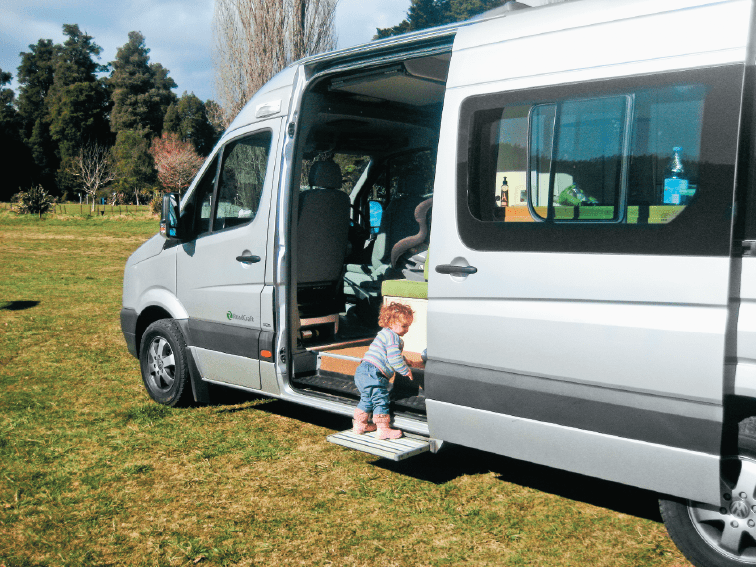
(394, 449)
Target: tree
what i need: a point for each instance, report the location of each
(188, 119)
(134, 166)
(176, 162)
(36, 74)
(255, 39)
(15, 159)
(93, 165)
(141, 90)
(78, 101)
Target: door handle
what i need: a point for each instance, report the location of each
(248, 259)
(455, 270)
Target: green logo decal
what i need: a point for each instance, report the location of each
(229, 315)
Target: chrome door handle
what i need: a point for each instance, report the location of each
(454, 270)
(248, 259)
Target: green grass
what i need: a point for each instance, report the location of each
(93, 473)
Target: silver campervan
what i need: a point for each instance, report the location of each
(564, 195)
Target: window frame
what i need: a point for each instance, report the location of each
(703, 229)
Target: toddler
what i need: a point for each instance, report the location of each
(383, 358)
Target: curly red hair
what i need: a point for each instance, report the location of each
(395, 313)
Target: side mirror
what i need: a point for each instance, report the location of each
(169, 218)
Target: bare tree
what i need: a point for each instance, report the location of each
(255, 39)
(94, 165)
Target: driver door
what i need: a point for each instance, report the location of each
(221, 271)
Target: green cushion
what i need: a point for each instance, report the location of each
(405, 288)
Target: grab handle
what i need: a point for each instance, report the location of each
(456, 270)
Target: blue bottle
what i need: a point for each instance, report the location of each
(675, 181)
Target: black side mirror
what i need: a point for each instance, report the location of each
(169, 218)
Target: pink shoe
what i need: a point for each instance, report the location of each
(383, 422)
(360, 424)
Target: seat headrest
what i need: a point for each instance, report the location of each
(325, 174)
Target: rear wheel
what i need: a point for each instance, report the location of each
(723, 535)
(164, 366)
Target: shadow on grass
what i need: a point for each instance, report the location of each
(456, 461)
(18, 305)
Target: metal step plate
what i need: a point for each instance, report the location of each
(394, 449)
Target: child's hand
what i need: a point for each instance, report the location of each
(410, 375)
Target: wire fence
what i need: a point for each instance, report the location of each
(84, 209)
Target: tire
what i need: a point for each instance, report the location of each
(163, 361)
(724, 535)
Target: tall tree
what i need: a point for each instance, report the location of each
(141, 90)
(255, 39)
(187, 118)
(78, 101)
(36, 74)
(15, 158)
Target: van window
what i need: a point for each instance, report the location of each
(571, 160)
(241, 180)
(637, 152)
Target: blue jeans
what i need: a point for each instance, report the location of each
(373, 387)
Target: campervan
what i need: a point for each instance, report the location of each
(565, 196)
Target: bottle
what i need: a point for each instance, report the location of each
(504, 194)
(675, 180)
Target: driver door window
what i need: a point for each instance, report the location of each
(241, 180)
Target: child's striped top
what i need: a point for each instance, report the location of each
(385, 353)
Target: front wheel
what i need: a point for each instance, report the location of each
(164, 366)
(723, 535)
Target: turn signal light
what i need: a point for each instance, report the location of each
(266, 354)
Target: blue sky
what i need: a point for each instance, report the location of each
(177, 32)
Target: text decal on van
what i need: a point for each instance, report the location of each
(246, 318)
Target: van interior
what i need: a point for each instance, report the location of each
(362, 220)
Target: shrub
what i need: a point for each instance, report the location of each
(35, 201)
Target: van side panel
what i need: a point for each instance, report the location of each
(596, 346)
(678, 472)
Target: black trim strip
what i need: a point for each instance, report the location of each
(581, 406)
(129, 319)
(228, 339)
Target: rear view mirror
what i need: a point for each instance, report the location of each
(169, 226)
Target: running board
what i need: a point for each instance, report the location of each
(394, 449)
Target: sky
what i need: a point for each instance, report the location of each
(177, 32)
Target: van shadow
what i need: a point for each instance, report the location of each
(18, 305)
(454, 461)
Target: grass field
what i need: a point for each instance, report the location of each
(93, 473)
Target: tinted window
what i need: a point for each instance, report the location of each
(626, 155)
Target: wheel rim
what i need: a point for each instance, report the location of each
(161, 364)
(730, 528)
